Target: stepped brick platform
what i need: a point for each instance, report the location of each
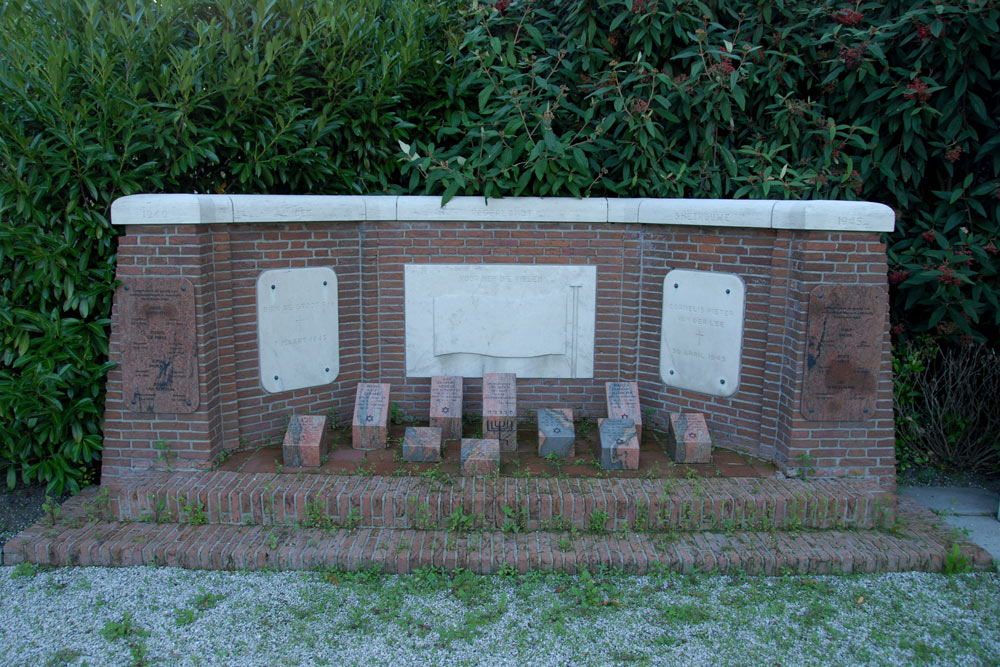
(82, 536)
(426, 501)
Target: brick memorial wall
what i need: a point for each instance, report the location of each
(585, 288)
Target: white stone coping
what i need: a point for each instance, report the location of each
(185, 209)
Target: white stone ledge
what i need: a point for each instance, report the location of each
(182, 209)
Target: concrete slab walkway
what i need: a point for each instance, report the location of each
(973, 511)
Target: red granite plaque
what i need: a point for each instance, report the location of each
(500, 409)
(446, 405)
(158, 359)
(844, 347)
(623, 403)
(307, 441)
(371, 411)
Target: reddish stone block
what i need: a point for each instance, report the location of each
(500, 409)
(480, 456)
(619, 444)
(371, 414)
(446, 405)
(422, 444)
(556, 434)
(688, 440)
(623, 403)
(307, 441)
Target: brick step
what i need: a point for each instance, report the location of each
(922, 544)
(502, 503)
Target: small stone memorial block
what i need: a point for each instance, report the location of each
(688, 440)
(500, 409)
(480, 457)
(306, 442)
(446, 405)
(371, 412)
(556, 434)
(422, 444)
(623, 403)
(619, 444)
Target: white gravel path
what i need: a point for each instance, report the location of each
(144, 615)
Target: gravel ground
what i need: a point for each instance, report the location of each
(19, 508)
(143, 615)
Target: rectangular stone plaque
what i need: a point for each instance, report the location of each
(844, 347)
(159, 362)
(535, 320)
(500, 409)
(623, 403)
(307, 441)
(619, 444)
(371, 413)
(702, 331)
(446, 405)
(297, 327)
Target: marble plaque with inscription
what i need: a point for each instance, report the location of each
(702, 331)
(158, 358)
(297, 326)
(533, 320)
(844, 347)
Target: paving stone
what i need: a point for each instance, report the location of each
(446, 405)
(556, 434)
(480, 456)
(422, 444)
(371, 413)
(619, 444)
(307, 441)
(688, 440)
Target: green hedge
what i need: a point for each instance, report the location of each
(102, 98)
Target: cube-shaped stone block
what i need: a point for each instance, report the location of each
(306, 442)
(371, 413)
(619, 444)
(480, 456)
(500, 409)
(422, 444)
(446, 405)
(688, 440)
(623, 403)
(556, 434)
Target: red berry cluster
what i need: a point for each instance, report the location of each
(852, 57)
(954, 154)
(917, 90)
(639, 106)
(896, 277)
(948, 276)
(928, 236)
(501, 5)
(848, 17)
(924, 32)
(898, 329)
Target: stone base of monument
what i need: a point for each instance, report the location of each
(422, 444)
(307, 441)
(398, 526)
(371, 414)
(688, 440)
(556, 434)
(480, 457)
(619, 444)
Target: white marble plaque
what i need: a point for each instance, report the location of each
(533, 320)
(702, 331)
(297, 328)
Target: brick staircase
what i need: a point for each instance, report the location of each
(228, 520)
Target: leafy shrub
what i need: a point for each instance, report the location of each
(894, 102)
(947, 403)
(103, 98)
